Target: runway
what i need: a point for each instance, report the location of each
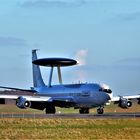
(74, 116)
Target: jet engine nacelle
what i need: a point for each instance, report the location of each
(125, 103)
(139, 101)
(22, 103)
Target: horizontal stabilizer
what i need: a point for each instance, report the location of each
(26, 90)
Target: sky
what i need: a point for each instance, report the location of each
(103, 35)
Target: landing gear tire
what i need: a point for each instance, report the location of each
(84, 110)
(100, 110)
(50, 110)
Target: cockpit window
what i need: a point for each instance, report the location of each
(106, 90)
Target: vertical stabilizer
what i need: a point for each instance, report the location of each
(37, 78)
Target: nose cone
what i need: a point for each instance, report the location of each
(108, 97)
(105, 98)
(111, 96)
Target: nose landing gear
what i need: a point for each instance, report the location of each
(100, 110)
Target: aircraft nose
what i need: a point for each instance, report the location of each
(108, 97)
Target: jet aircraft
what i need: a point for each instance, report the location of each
(82, 96)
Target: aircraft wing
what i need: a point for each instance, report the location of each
(117, 98)
(19, 89)
(29, 98)
(38, 98)
(125, 101)
(38, 102)
(25, 101)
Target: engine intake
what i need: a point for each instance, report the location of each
(22, 103)
(125, 103)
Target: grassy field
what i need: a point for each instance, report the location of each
(82, 129)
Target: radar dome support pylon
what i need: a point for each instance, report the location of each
(55, 62)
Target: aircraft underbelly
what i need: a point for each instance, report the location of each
(92, 101)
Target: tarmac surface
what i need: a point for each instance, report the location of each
(76, 116)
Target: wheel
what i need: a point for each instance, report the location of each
(84, 110)
(100, 110)
(50, 110)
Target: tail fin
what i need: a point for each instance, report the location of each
(37, 78)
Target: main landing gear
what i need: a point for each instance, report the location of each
(100, 110)
(50, 110)
(84, 110)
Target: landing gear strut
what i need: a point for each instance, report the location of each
(50, 110)
(100, 110)
(84, 110)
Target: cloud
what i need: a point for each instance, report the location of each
(81, 73)
(81, 56)
(52, 3)
(12, 41)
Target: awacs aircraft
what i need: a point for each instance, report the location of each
(82, 96)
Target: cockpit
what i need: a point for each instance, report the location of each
(105, 88)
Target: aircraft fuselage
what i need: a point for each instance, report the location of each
(84, 95)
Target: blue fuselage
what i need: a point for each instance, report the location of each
(84, 95)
